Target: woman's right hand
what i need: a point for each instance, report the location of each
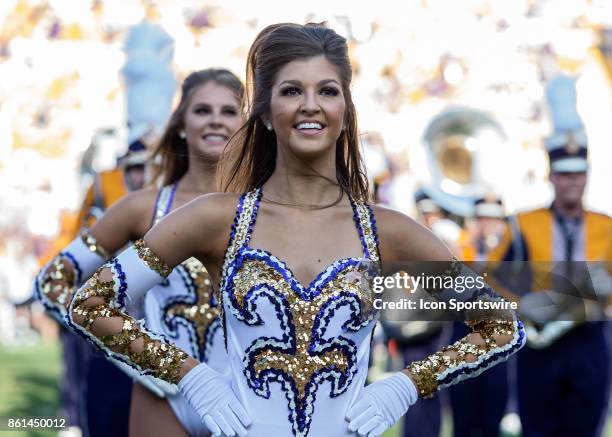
(210, 394)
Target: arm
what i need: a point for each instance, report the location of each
(99, 312)
(494, 336)
(98, 309)
(57, 280)
(127, 220)
(492, 339)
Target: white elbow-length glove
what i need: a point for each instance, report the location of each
(210, 395)
(383, 403)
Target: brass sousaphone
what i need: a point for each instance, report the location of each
(454, 140)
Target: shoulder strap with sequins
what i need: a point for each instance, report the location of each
(366, 225)
(246, 212)
(163, 203)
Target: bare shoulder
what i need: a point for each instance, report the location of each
(213, 208)
(200, 228)
(392, 223)
(126, 220)
(216, 210)
(138, 207)
(404, 239)
(140, 201)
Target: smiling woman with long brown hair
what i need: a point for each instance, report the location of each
(182, 309)
(294, 278)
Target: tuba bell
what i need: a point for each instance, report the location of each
(454, 141)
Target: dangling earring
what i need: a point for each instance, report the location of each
(268, 125)
(182, 134)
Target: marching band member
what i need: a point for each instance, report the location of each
(563, 375)
(479, 405)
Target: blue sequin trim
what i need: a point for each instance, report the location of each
(75, 264)
(225, 269)
(121, 293)
(253, 217)
(154, 216)
(306, 293)
(168, 204)
(171, 199)
(230, 243)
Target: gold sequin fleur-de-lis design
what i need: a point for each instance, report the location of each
(203, 315)
(301, 358)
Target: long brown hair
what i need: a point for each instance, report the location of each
(171, 150)
(250, 157)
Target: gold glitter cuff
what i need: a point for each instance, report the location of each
(58, 280)
(452, 271)
(93, 245)
(425, 375)
(426, 372)
(161, 359)
(148, 256)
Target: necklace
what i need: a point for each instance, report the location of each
(303, 206)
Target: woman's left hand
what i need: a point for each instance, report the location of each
(383, 403)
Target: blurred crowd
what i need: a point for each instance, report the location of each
(63, 98)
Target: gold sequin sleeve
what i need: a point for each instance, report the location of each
(496, 334)
(56, 282)
(99, 312)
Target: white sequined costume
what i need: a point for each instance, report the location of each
(183, 309)
(298, 355)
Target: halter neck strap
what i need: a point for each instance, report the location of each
(163, 202)
(366, 226)
(246, 213)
